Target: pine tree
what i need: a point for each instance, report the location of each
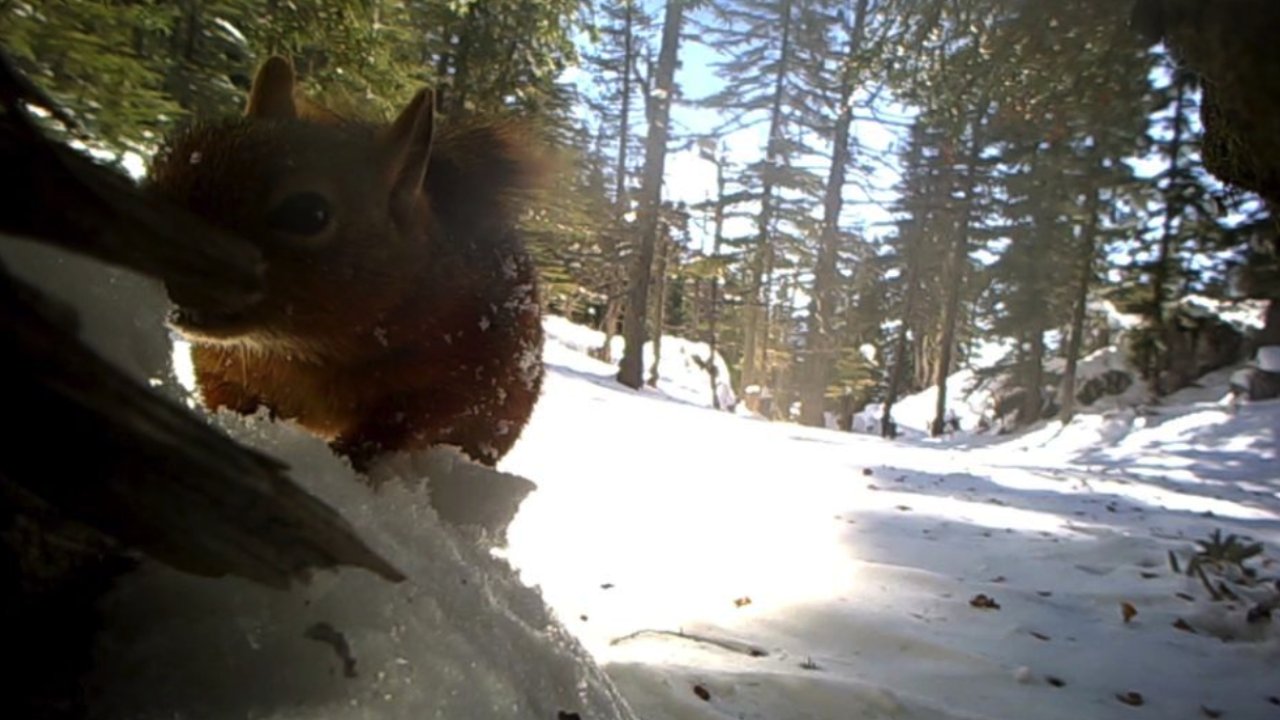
(764, 85)
(630, 371)
(820, 348)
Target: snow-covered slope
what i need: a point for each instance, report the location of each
(721, 567)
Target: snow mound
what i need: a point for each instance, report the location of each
(682, 372)
(967, 397)
(462, 637)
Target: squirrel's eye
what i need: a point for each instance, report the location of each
(304, 213)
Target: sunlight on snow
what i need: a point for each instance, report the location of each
(183, 367)
(727, 534)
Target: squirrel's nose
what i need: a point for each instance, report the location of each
(193, 296)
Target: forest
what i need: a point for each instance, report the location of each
(898, 184)
(840, 204)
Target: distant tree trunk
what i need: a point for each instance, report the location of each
(691, 301)
(820, 345)
(751, 317)
(947, 334)
(899, 352)
(659, 304)
(624, 117)
(766, 315)
(755, 301)
(1270, 334)
(1160, 273)
(612, 309)
(183, 44)
(951, 312)
(461, 61)
(620, 200)
(631, 369)
(1033, 404)
(713, 371)
(1084, 276)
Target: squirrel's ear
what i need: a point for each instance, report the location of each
(406, 145)
(272, 92)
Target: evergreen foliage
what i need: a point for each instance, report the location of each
(1041, 158)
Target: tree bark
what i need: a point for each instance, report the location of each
(1067, 390)
(1034, 402)
(624, 118)
(819, 345)
(755, 302)
(1270, 334)
(959, 258)
(947, 334)
(1160, 273)
(899, 352)
(713, 371)
(612, 308)
(659, 305)
(631, 369)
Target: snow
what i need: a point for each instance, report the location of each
(914, 413)
(1269, 358)
(970, 397)
(787, 572)
(678, 563)
(1243, 315)
(463, 637)
(680, 376)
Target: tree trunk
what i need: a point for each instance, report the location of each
(659, 305)
(959, 259)
(1033, 405)
(631, 369)
(947, 334)
(766, 317)
(751, 317)
(819, 345)
(1160, 273)
(624, 119)
(1067, 390)
(899, 352)
(693, 298)
(1270, 334)
(461, 67)
(713, 371)
(755, 302)
(612, 308)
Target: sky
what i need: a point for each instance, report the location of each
(691, 179)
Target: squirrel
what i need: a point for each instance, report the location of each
(401, 308)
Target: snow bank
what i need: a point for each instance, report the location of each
(681, 374)
(967, 397)
(461, 638)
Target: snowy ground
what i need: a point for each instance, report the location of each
(723, 567)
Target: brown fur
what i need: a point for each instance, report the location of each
(412, 319)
